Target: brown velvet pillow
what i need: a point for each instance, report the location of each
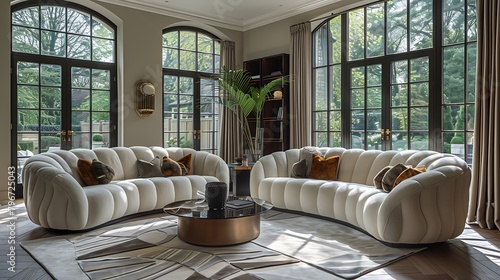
(94, 172)
(85, 170)
(408, 173)
(324, 168)
(170, 167)
(377, 181)
(185, 164)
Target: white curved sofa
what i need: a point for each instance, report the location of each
(430, 207)
(56, 197)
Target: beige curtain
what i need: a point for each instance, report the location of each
(230, 143)
(300, 85)
(485, 186)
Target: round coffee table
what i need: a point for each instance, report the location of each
(233, 225)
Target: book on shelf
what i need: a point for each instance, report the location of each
(279, 115)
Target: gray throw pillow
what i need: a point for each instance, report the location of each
(299, 169)
(391, 175)
(307, 154)
(148, 169)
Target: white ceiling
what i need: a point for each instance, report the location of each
(234, 14)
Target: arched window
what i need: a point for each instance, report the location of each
(191, 61)
(397, 75)
(63, 78)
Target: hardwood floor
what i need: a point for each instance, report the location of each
(473, 255)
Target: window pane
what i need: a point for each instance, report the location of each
(50, 75)
(335, 120)
(399, 72)
(374, 99)
(375, 30)
(321, 139)
(356, 34)
(419, 118)
(470, 117)
(53, 43)
(51, 97)
(187, 40)
(100, 79)
(80, 99)
(471, 71)
(205, 63)
(187, 60)
(27, 120)
(336, 82)
(447, 119)
(335, 36)
(79, 47)
(217, 47)
(100, 100)
(419, 141)
(81, 119)
(358, 77)
(358, 120)
(26, 17)
(453, 21)
(357, 140)
(50, 141)
(358, 98)
(25, 40)
(419, 69)
(80, 77)
(374, 120)
(400, 141)
(185, 85)
(53, 18)
(50, 120)
(170, 58)
(399, 119)
(397, 26)
(171, 39)
(421, 24)
(78, 23)
(27, 97)
(321, 121)
(374, 141)
(320, 89)
(321, 46)
(205, 44)
(419, 94)
(103, 50)
(101, 29)
(374, 75)
(453, 74)
(471, 20)
(335, 140)
(27, 73)
(399, 95)
(80, 140)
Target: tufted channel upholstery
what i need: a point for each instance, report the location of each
(57, 198)
(430, 207)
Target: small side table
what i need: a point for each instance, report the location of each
(240, 175)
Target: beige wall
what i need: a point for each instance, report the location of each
(5, 93)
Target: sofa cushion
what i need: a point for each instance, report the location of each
(103, 173)
(307, 154)
(170, 167)
(148, 169)
(391, 175)
(324, 168)
(86, 173)
(377, 180)
(408, 173)
(185, 163)
(299, 169)
(94, 172)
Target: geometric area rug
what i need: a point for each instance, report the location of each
(290, 246)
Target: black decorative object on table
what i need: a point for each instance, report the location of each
(216, 195)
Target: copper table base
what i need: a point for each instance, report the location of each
(218, 232)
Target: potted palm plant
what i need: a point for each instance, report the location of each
(242, 99)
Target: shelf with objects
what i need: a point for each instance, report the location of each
(274, 120)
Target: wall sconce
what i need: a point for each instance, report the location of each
(144, 99)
